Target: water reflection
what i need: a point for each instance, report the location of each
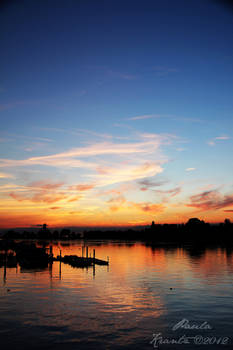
(144, 289)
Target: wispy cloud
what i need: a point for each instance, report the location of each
(74, 199)
(93, 133)
(82, 187)
(5, 175)
(112, 73)
(44, 185)
(14, 104)
(68, 158)
(212, 142)
(172, 192)
(166, 116)
(41, 191)
(149, 207)
(41, 196)
(95, 165)
(118, 190)
(12, 187)
(36, 146)
(190, 169)
(222, 138)
(119, 202)
(121, 75)
(145, 116)
(126, 173)
(210, 200)
(12, 137)
(163, 71)
(84, 133)
(147, 184)
(116, 202)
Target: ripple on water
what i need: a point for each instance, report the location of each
(116, 307)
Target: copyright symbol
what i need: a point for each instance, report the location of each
(198, 339)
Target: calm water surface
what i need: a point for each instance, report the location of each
(122, 306)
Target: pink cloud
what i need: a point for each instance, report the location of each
(149, 207)
(44, 185)
(41, 191)
(74, 199)
(18, 197)
(116, 202)
(172, 192)
(210, 200)
(83, 187)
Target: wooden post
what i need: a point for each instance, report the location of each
(83, 251)
(60, 266)
(86, 252)
(94, 254)
(51, 254)
(60, 270)
(5, 263)
(4, 276)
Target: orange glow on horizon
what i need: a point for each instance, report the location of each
(91, 211)
(8, 220)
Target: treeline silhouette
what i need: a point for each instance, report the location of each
(43, 233)
(195, 231)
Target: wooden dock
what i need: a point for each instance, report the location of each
(77, 261)
(80, 261)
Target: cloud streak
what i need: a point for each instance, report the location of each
(121, 75)
(82, 187)
(145, 116)
(41, 191)
(149, 207)
(68, 158)
(99, 159)
(5, 176)
(210, 200)
(190, 169)
(127, 173)
(100, 164)
(116, 202)
(148, 184)
(212, 142)
(163, 71)
(172, 192)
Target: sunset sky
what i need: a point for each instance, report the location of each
(115, 112)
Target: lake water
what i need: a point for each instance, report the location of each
(142, 293)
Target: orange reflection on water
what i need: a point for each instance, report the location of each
(213, 263)
(114, 289)
(132, 294)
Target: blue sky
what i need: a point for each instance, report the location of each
(115, 74)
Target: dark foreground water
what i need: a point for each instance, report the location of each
(135, 303)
